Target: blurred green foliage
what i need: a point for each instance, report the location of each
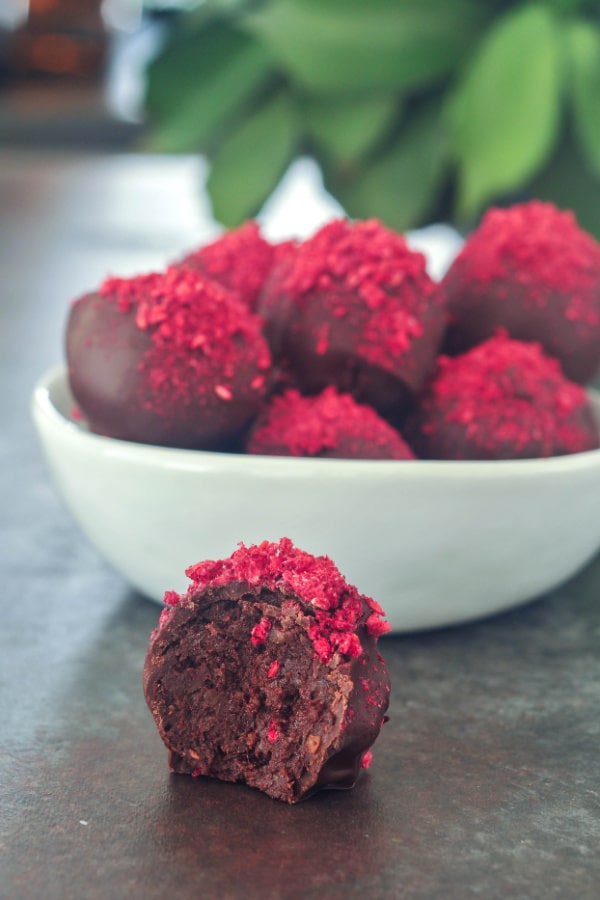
(415, 110)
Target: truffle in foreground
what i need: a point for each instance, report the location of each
(267, 672)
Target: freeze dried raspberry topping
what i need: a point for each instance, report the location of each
(330, 424)
(338, 609)
(543, 249)
(508, 399)
(240, 260)
(363, 265)
(200, 333)
(531, 270)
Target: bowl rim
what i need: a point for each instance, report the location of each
(44, 408)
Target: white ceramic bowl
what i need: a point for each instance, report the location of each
(434, 542)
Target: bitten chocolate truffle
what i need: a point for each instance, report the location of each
(355, 308)
(503, 399)
(266, 672)
(329, 425)
(531, 270)
(170, 359)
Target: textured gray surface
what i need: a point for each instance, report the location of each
(484, 783)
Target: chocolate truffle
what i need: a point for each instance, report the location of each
(170, 359)
(531, 270)
(328, 425)
(355, 308)
(240, 260)
(274, 306)
(266, 671)
(503, 399)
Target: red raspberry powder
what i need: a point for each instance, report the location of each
(329, 424)
(367, 759)
(508, 395)
(338, 609)
(260, 632)
(364, 265)
(200, 332)
(239, 260)
(543, 249)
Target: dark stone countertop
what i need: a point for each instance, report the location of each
(484, 783)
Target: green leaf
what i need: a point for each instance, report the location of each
(345, 129)
(250, 163)
(400, 187)
(198, 82)
(505, 114)
(567, 182)
(188, 51)
(208, 10)
(570, 6)
(345, 47)
(583, 42)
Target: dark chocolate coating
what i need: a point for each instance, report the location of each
(477, 316)
(294, 333)
(434, 435)
(275, 306)
(503, 399)
(522, 304)
(105, 354)
(221, 714)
